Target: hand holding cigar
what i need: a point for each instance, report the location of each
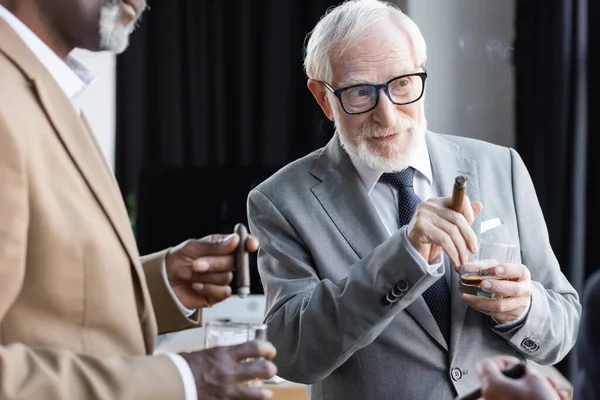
(459, 194)
(444, 224)
(242, 263)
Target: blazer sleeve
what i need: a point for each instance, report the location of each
(46, 373)
(342, 316)
(550, 330)
(169, 316)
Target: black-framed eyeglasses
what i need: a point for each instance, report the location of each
(362, 98)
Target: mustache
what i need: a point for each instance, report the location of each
(374, 129)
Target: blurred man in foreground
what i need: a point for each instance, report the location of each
(79, 309)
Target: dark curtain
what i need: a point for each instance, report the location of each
(217, 83)
(552, 60)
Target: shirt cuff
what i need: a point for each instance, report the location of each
(434, 269)
(189, 383)
(186, 311)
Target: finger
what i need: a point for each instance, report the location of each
(213, 293)
(496, 306)
(516, 272)
(257, 368)
(552, 382)
(507, 288)
(461, 223)
(213, 278)
(502, 361)
(249, 393)
(435, 235)
(467, 211)
(213, 245)
(252, 244)
(252, 349)
(563, 394)
(493, 381)
(214, 264)
(477, 207)
(455, 235)
(488, 367)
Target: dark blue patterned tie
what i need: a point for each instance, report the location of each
(437, 296)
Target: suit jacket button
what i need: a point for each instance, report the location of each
(396, 293)
(402, 286)
(456, 374)
(389, 299)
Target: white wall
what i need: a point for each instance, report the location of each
(99, 101)
(470, 88)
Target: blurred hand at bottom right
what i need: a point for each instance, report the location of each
(532, 386)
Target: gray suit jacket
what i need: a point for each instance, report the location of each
(326, 261)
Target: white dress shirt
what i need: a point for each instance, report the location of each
(73, 78)
(385, 197)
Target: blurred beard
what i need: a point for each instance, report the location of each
(400, 152)
(114, 37)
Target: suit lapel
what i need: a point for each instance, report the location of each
(341, 194)
(84, 153)
(122, 226)
(81, 147)
(446, 164)
(347, 203)
(87, 157)
(420, 312)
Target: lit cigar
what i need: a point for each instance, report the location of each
(459, 193)
(242, 263)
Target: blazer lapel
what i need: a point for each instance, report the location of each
(346, 201)
(86, 155)
(79, 143)
(83, 151)
(446, 164)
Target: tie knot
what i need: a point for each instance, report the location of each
(400, 179)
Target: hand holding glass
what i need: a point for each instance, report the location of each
(482, 266)
(224, 333)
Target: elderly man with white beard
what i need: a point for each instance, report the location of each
(79, 308)
(360, 249)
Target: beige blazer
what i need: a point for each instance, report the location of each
(79, 309)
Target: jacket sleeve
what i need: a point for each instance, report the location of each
(550, 330)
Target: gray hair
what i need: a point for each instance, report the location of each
(343, 25)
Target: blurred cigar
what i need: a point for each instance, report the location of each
(242, 263)
(515, 372)
(459, 193)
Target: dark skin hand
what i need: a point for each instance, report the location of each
(532, 386)
(200, 270)
(222, 373)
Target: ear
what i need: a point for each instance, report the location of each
(319, 91)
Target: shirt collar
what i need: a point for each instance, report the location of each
(72, 77)
(419, 161)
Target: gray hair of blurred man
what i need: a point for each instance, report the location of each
(345, 25)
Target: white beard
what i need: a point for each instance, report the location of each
(114, 37)
(397, 162)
